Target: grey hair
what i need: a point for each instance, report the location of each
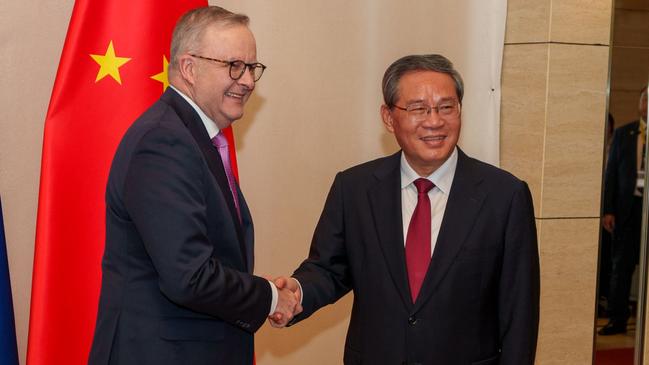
(191, 26)
(430, 62)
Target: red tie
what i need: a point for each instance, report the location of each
(418, 238)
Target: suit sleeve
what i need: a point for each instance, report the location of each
(164, 193)
(324, 275)
(518, 300)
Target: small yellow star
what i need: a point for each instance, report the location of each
(109, 64)
(163, 76)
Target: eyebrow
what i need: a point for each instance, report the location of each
(421, 101)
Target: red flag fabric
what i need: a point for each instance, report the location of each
(112, 68)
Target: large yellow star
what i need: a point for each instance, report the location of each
(109, 64)
(163, 76)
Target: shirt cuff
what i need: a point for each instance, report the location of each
(273, 303)
(301, 292)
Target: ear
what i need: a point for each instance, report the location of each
(187, 68)
(386, 115)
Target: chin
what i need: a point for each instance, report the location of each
(234, 118)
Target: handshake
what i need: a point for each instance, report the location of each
(289, 301)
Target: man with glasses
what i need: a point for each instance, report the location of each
(439, 248)
(177, 284)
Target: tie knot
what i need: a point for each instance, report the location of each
(423, 185)
(219, 141)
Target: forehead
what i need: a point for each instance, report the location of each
(231, 41)
(424, 85)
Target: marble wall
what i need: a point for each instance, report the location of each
(555, 81)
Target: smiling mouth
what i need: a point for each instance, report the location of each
(235, 95)
(432, 138)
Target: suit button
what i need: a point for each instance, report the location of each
(412, 320)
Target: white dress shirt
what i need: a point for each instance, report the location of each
(212, 131)
(443, 179)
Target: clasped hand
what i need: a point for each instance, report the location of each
(288, 302)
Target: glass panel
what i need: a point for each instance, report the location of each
(622, 281)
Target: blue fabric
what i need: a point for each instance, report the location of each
(8, 348)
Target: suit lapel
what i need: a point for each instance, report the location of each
(385, 202)
(248, 231)
(464, 203)
(195, 125)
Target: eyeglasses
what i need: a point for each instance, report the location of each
(419, 112)
(238, 67)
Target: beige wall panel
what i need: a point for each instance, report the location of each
(624, 106)
(344, 54)
(581, 21)
(528, 21)
(318, 340)
(631, 28)
(523, 108)
(568, 250)
(630, 68)
(32, 38)
(575, 131)
(632, 4)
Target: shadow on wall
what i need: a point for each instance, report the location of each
(286, 341)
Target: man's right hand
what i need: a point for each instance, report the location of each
(288, 304)
(608, 222)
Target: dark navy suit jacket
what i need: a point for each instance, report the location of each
(479, 303)
(177, 285)
(621, 173)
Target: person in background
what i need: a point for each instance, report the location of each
(604, 275)
(623, 189)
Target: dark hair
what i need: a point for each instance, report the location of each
(431, 62)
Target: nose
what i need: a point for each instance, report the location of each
(432, 120)
(247, 79)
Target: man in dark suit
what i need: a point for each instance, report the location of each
(439, 248)
(623, 188)
(177, 284)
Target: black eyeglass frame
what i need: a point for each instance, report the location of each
(231, 64)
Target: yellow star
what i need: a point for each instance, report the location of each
(163, 76)
(109, 64)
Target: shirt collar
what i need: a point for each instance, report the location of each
(212, 129)
(442, 177)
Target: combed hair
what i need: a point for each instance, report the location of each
(191, 26)
(430, 62)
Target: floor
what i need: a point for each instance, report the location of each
(615, 341)
(615, 349)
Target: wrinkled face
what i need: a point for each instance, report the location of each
(426, 143)
(212, 89)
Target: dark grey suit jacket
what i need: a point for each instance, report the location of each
(621, 173)
(479, 303)
(177, 285)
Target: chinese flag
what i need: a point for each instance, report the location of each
(112, 68)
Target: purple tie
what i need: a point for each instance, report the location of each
(221, 143)
(418, 238)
